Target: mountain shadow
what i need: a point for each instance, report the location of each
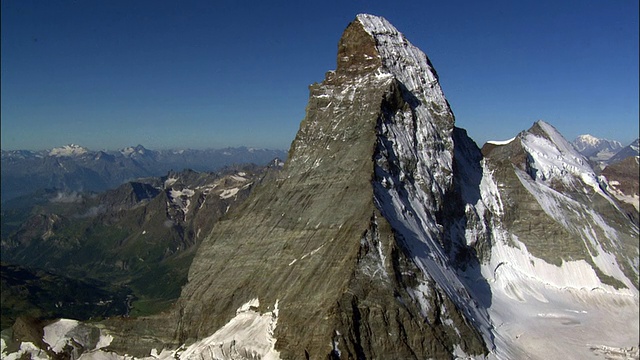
(466, 257)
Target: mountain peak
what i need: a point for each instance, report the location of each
(587, 138)
(406, 62)
(554, 158)
(68, 150)
(596, 148)
(133, 150)
(375, 130)
(357, 53)
(627, 151)
(549, 132)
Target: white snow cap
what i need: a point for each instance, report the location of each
(403, 60)
(68, 150)
(588, 139)
(555, 158)
(500, 142)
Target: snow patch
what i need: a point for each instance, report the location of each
(249, 335)
(227, 193)
(500, 142)
(170, 181)
(181, 199)
(239, 178)
(26, 349)
(68, 332)
(56, 334)
(422, 293)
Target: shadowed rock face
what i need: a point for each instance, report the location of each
(623, 182)
(314, 239)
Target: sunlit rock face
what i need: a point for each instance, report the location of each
(317, 240)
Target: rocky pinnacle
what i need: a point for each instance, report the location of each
(315, 241)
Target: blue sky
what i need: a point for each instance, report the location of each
(211, 74)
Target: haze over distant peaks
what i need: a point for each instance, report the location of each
(76, 168)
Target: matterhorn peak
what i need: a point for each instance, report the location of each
(402, 59)
(371, 163)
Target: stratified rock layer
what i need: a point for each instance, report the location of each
(314, 239)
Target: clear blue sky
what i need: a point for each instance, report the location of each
(177, 74)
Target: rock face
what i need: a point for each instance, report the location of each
(319, 242)
(623, 181)
(560, 184)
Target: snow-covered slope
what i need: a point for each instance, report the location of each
(563, 264)
(413, 175)
(414, 166)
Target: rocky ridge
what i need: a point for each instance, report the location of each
(631, 150)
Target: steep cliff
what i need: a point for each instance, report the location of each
(319, 240)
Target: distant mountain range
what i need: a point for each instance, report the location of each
(76, 168)
(602, 151)
(627, 151)
(125, 250)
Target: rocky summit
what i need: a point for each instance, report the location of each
(319, 243)
(389, 234)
